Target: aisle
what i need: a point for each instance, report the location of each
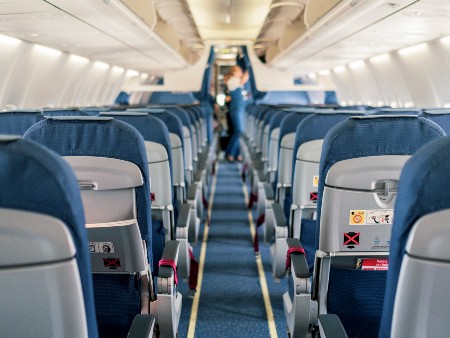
(231, 302)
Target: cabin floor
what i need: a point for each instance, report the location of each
(236, 293)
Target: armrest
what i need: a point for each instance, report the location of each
(198, 175)
(192, 192)
(268, 190)
(298, 263)
(168, 273)
(183, 216)
(278, 215)
(142, 327)
(330, 326)
(261, 175)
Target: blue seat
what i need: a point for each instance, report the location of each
(417, 298)
(359, 169)
(17, 122)
(439, 116)
(41, 210)
(109, 158)
(64, 112)
(398, 111)
(298, 218)
(313, 129)
(165, 210)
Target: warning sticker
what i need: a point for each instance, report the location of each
(152, 197)
(101, 247)
(374, 216)
(315, 181)
(313, 196)
(112, 263)
(381, 216)
(373, 264)
(357, 217)
(351, 239)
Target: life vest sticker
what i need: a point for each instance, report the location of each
(372, 264)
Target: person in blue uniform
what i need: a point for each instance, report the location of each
(235, 85)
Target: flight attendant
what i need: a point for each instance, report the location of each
(235, 85)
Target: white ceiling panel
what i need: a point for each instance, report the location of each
(423, 21)
(89, 28)
(229, 19)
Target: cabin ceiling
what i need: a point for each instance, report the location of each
(156, 36)
(411, 23)
(229, 20)
(96, 29)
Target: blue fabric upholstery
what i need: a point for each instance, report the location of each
(64, 112)
(441, 117)
(183, 116)
(288, 125)
(17, 122)
(424, 188)
(372, 136)
(105, 137)
(356, 297)
(315, 127)
(362, 137)
(283, 97)
(110, 290)
(151, 128)
(171, 120)
(394, 111)
(171, 98)
(35, 179)
(276, 117)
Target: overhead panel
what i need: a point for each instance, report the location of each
(99, 30)
(422, 21)
(229, 20)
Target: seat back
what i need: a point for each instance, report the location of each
(159, 153)
(63, 112)
(17, 122)
(271, 142)
(158, 148)
(439, 116)
(288, 126)
(108, 156)
(43, 246)
(419, 257)
(398, 111)
(359, 170)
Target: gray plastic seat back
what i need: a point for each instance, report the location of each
(422, 298)
(107, 187)
(42, 294)
(358, 204)
(306, 174)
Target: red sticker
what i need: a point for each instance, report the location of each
(112, 263)
(152, 197)
(313, 196)
(351, 239)
(375, 264)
